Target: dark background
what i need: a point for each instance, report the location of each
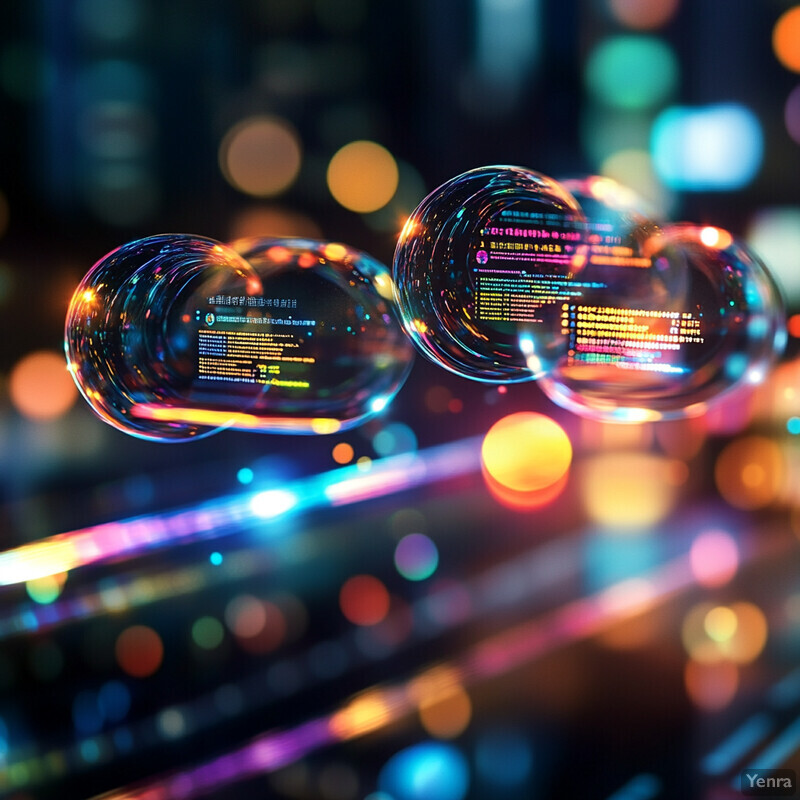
(112, 114)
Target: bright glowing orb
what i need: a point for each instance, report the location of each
(526, 452)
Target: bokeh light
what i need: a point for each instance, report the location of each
(634, 168)
(503, 757)
(774, 233)
(364, 600)
(207, 633)
(786, 39)
(736, 632)
(114, 699)
(714, 558)
(525, 501)
(426, 771)
(750, 472)
(342, 453)
(46, 589)
(711, 687)
(629, 491)
(260, 156)
(86, 714)
(258, 625)
(258, 221)
(632, 72)
(720, 623)
(139, 651)
(605, 130)
(110, 20)
(396, 437)
(416, 557)
(643, 14)
(363, 176)
(245, 616)
(526, 452)
(791, 114)
(709, 148)
(444, 706)
(447, 715)
(410, 190)
(40, 386)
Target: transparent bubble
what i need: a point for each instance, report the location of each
(482, 267)
(173, 337)
(610, 207)
(693, 315)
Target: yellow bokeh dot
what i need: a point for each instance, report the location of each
(786, 39)
(736, 633)
(41, 387)
(628, 490)
(720, 623)
(363, 176)
(335, 252)
(260, 156)
(526, 451)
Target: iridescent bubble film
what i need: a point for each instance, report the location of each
(506, 275)
(700, 316)
(480, 266)
(176, 336)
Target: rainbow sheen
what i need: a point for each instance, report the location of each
(700, 317)
(464, 288)
(426, 771)
(416, 557)
(173, 337)
(710, 148)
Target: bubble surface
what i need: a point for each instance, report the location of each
(505, 275)
(176, 336)
(700, 316)
(478, 267)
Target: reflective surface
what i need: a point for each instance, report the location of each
(505, 275)
(702, 317)
(175, 336)
(478, 267)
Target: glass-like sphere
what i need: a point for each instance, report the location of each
(175, 336)
(482, 267)
(699, 316)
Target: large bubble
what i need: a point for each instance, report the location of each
(483, 265)
(506, 275)
(698, 317)
(175, 336)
